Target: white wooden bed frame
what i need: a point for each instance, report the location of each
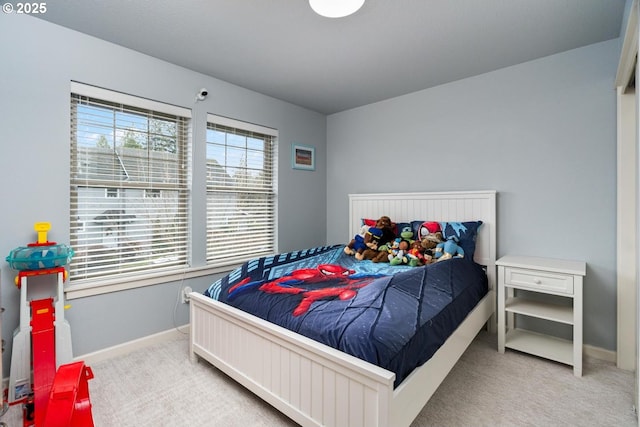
(316, 385)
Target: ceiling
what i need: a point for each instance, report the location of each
(388, 48)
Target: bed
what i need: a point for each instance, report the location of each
(315, 384)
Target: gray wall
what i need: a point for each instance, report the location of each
(543, 134)
(39, 60)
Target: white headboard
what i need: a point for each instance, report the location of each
(441, 206)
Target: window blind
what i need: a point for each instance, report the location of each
(130, 175)
(241, 197)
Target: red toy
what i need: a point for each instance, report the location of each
(60, 399)
(69, 403)
(51, 397)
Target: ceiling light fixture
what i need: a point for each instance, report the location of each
(335, 8)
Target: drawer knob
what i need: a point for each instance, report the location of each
(537, 281)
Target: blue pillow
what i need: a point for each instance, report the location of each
(465, 233)
(415, 226)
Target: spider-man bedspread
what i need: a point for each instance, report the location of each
(393, 316)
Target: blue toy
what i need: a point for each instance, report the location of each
(448, 249)
(41, 254)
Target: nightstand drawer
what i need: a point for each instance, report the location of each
(539, 281)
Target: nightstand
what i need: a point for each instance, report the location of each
(546, 276)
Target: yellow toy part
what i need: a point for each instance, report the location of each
(41, 228)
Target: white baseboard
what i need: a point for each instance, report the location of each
(599, 353)
(128, 347)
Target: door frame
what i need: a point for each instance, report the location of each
(628, 219)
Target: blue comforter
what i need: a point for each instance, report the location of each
(393, 316)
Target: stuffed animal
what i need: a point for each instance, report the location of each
(355, 245)
(388, 235)
(375, 255)
(379, 255)
(416, 255)
(452, 232)
(359, 244)
(407, 234)
(398, 252)
(362, 245)
(430, 241)
(427, 228)
(449, 249)
(371, 241)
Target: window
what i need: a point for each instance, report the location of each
(152, 193)
(130, 193)
(241, 198)
(112, 192)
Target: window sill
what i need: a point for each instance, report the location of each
(121, 284)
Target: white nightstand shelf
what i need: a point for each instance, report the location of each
(546, 346)
(541, 310)
(547, 276)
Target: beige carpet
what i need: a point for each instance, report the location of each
(158, 386)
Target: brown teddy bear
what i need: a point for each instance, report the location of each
(388, 230)
(429, 243)
(381, 253)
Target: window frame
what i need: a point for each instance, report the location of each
(121, 281)
(247, 129)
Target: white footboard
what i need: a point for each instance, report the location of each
(311, 383)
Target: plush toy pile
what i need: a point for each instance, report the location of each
(381, 242)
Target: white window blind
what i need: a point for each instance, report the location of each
(130, 177)
(241, 196)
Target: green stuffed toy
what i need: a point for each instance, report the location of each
(407, 234)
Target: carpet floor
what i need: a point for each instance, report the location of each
(159, 386)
